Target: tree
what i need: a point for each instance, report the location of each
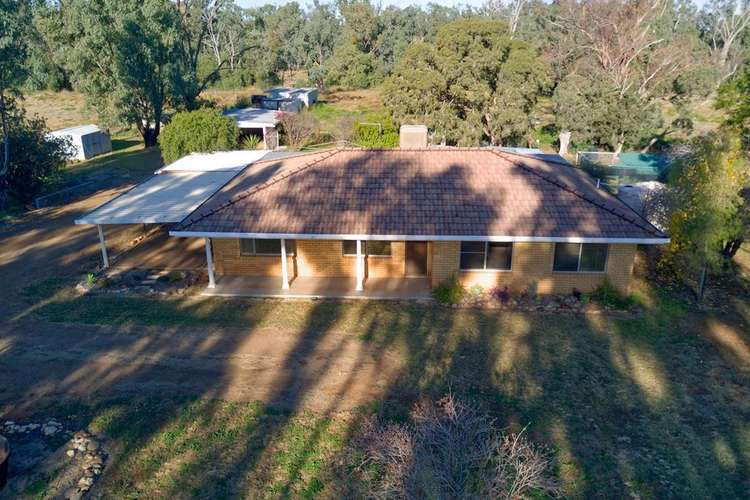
(299, 128)
(723, 24)
(472, 85)
(351, 68)
(14, 19)
(321, 30)
(199, 131)
(707, 183)
(597, 115)
(36, 159)
(126, 60)
(734, 98)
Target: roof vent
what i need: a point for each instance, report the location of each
(413, 136)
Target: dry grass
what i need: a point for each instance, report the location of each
(59, 109)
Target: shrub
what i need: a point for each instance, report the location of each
(299, 128)
(449, 292)
(452, 450)
(250, 142)
(501, 294)
(202, 130)
(376, 131)
(35, 158)
(609, 296)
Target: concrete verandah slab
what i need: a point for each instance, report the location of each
(317, 287)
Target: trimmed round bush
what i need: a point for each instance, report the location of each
(200, 131)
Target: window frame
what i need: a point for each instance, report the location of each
(580, 253)
(486, 252)
(255, 253)
(366, 250)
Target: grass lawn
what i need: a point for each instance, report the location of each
(653, 406)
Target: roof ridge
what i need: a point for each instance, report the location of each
(260, 187)
(652, 230)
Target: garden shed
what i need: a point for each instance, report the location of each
(257, 120)
(87, 140)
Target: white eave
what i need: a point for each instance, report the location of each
(412, 237)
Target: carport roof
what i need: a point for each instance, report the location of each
(162, 199)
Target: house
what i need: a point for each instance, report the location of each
(87, 141)
(416, 217)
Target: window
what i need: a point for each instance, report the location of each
(490, 255)
(266, 247)
(372, 248)
(580, 257)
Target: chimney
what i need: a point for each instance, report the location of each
(412, 137)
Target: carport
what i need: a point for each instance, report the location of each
(172, 194)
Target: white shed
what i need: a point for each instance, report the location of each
(306, 95)
(87, 140)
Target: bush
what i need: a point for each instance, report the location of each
(202, 130)
(452, 450)
(449, 292)
(376, 131)
(299, 128)
(609, 296)
(35, 158)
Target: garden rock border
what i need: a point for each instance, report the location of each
(74, 467)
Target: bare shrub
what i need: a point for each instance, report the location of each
(299, 128)
(451, 450)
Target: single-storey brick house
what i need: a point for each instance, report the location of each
(480, 215)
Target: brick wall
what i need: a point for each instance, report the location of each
(532, 263)
(314, 258)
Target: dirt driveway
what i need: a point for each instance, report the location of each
(41, 360)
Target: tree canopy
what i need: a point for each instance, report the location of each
(474, 84)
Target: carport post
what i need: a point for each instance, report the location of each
(265, 143)
(360, 268)
(210, 262)
(284, 271)
(103, 243)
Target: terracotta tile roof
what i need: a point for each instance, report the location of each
(429, 192)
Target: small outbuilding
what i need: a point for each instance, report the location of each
(306, 95)
(257, 120)
(87, 140)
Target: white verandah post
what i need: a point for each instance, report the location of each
(103, 244)
(284, 271)
(265, 141)
(210, 263)
(360, 267)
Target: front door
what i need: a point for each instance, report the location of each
(416, 258)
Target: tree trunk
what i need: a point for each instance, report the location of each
(564, 142)
(731, 248)
(619, 147)
(5, 167)
(702, 281)
(648, 146)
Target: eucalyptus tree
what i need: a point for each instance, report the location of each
(472, 85)
(126, 58)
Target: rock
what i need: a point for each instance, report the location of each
(9, 423)
(71, 453)
(82, 447)
(33, 427)
(92, 446)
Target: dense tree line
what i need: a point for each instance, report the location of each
(601, 68)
